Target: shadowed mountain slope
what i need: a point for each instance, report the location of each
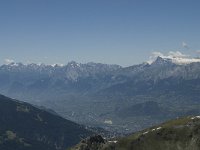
(24, 127)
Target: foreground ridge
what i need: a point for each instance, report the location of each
(178, 134)
(24, 127)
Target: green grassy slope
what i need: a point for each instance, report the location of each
(178, 134)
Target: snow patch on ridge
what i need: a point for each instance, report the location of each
(196, 117)
(175, 57)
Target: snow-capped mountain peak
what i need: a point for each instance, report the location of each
(73, 64)
(162, 61)
(172, 57)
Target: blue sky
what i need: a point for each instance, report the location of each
(123, 32)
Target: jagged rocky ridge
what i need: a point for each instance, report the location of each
(108, 95)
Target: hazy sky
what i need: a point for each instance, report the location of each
(121, 32)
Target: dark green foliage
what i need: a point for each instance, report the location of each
(24, 127)
(92, 143)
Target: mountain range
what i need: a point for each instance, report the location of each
(120, 99)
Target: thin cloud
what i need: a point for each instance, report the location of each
(154, 55)
(8, 61)
(170, 55)
(185, 45)
(177, 54)
(176, 57)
